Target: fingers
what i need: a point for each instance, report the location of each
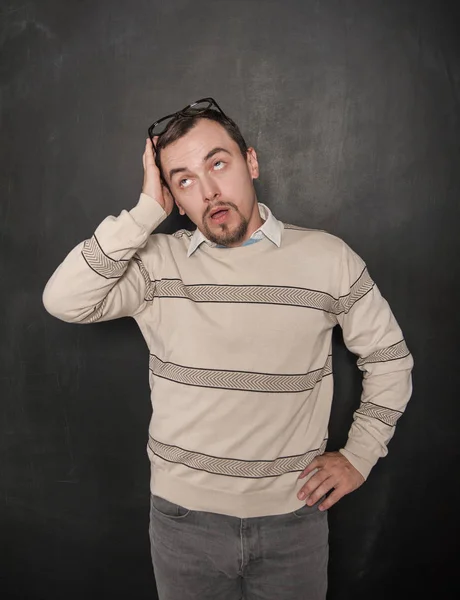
(316, 487)
(148, 159)
(311, 467)
(145, 156)
(331, 499)
(334, 472)
(313, 483)
(149, 151)
(150, 146)
(321, 491)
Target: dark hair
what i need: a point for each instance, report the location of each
(183, 123)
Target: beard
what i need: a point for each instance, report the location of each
(226, 235)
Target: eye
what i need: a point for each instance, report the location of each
(183, 183)
(219, 165)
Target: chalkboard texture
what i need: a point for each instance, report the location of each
(354, 109)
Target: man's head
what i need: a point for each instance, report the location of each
(207, 165)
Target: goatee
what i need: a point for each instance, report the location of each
(227, 236)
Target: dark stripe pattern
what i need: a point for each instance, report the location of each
(388, 416)
(394, 352)
(242, 381)
(99, 262)
(97, 313)
(232, 467)
(266, 294)
(181, 232)
(362, 286)
(149, 284)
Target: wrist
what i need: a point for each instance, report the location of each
(148, 212)
(152, 194)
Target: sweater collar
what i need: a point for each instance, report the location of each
(271, 229)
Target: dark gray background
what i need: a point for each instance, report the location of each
(353, 107)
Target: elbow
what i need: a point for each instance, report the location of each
(55, 305)
(67, 308)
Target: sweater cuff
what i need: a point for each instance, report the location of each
(363, 465)
(148, 213)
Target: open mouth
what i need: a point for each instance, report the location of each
(220, 215)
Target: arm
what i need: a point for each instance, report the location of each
(371, 332)
(103, 278)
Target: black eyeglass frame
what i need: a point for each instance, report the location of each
(210, 101)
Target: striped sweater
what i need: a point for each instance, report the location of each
(240, 353)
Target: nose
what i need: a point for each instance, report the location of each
(210, 190)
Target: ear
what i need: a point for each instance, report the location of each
(181, 210)
(252, 162)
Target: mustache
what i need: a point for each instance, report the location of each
(218, 205)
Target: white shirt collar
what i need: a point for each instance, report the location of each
(271, 229)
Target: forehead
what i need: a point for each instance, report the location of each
(190, 149)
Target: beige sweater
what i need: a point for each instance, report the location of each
(240, 354)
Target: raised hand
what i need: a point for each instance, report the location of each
(153, 185)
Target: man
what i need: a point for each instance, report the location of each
(238, 317)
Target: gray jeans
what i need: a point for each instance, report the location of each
(207, 556)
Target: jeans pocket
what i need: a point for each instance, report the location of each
(167, 508)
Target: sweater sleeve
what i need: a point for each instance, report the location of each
(371, 332)
(103, 278)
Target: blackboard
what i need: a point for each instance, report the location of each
(353, 108)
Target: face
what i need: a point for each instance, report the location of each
(213, 184)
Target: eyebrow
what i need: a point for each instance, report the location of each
(209, 155)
